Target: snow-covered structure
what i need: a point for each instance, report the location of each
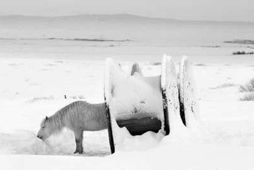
(137, 104)
(187, 97)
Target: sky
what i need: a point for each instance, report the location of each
(217, 10)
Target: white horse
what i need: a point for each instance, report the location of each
(78, 116)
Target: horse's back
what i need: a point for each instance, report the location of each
(91, 116)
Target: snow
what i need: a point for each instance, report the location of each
(133, 160)
(227, 122)
(129, 94)
(36, 74)
(169, 84)
(187, 93)
(132, 97)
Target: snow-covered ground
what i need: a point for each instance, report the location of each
(36, 74)
(32, 88)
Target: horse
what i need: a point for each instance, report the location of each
(78, 116)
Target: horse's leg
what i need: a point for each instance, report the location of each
(79, 140)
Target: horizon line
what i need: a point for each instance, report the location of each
(128, 14)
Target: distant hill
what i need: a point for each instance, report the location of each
(121, 27)
(113, 17)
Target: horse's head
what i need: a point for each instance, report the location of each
(45, 129)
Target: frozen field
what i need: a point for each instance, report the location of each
(32, 88)
(36, 74)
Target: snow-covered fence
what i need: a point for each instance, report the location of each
(161, 104)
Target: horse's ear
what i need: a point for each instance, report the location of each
(46, 118)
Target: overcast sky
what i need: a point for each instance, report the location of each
(231, 10)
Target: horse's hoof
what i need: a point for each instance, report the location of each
(79, 152)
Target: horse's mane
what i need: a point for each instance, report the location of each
(56, 120)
